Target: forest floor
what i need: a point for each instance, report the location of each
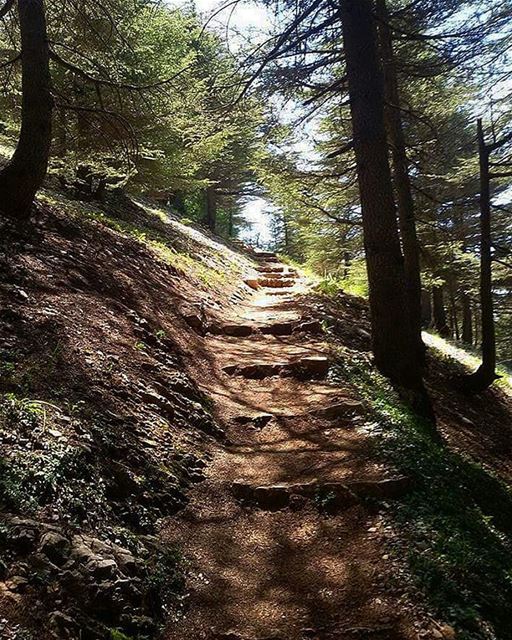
(195, 443)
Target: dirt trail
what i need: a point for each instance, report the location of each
(280, 541)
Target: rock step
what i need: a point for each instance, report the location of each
(253, 283)
(270, 275)
(276, 329)
(307, 368)
(330, 496)
(258, 421)
(270, 269)
(265, 255)
(276, 283)
(338, 410)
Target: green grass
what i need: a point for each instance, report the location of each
(455, 526)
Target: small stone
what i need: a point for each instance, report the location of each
(17, 584)
(55, 547)
(101, 569)
(448, 632)
(62, 626)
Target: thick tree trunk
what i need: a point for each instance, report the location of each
(467, 320)
(210, 218)
(440, 321)
(394, 345)
(485, 375)
(405, 202)
(25, 173)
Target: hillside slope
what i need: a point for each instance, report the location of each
(186, 452)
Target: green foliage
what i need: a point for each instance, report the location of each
(115, 634)
(165, 583)
(455, 526)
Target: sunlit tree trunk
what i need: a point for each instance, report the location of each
(486, 373)
(24, 175)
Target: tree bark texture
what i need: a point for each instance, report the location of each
(24, 175)
(440, 320)
(394, 346)
(402, 183)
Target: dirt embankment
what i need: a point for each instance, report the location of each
(102, 432)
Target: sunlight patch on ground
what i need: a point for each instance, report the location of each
(464, 357)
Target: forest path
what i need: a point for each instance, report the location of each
(280, 541)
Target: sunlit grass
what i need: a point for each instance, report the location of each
(467, 359)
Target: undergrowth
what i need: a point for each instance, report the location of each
(456, 525)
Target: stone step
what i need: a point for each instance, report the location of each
(339, 410)
(253, 283)
(275, 283)
(270, 275)
(270, 268)
(275, 329)
(288, 328)
(258, 421)
(329, 496)
(235, 330)
(265, 255)
(278, 329)
(307, 368)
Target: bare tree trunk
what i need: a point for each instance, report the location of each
(485, 375)
(346, 264)
(210, 218)
(467, 320)
(405, 201)
(25, 173)
(453, 313)
(440, 321)
(394, 345)
(231, 225)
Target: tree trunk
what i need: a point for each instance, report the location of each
(453, 313)
(393, 342)
(346, 264)
(485, 375)
(231, 224)
(24, 175)
(467, 320)
(210, 218)
(440, 321)
(405, 202)
(426, 309)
